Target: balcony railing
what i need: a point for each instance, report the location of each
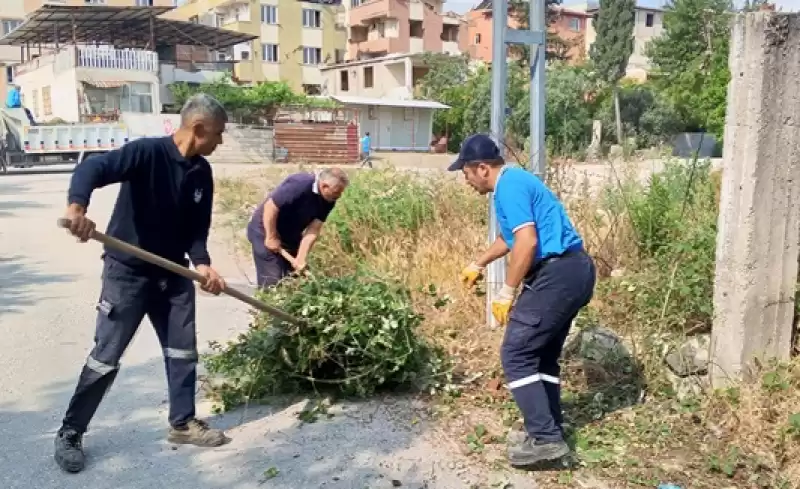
(114, 59)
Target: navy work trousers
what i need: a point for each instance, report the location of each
(271, 267)
(538, 325)
(126, 297)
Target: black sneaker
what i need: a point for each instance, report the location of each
(69, 450)
(532, 452)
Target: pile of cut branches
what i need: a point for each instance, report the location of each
(359, 336)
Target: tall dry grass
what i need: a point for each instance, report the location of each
(653, 245)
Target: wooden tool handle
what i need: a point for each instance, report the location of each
(180, 270)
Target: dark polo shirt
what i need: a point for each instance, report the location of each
(299, 203)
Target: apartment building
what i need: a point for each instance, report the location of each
(294, 37)
(649, 25)
(569, 25)
(378, 28)
(31, 5)
(11, 16)
(13, 13)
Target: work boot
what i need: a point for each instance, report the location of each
(197, 432)
(532, 451)
(69, 450)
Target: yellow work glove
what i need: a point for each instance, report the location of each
(471, 274)
(501, 305)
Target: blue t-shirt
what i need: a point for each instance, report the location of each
(13, 100)
(365, 144)
(522, 199)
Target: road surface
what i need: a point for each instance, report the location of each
(49, 285)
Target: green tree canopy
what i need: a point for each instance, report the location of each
(690, 60)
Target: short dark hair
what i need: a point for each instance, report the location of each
(492, 163)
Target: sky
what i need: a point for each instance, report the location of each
(462, 6)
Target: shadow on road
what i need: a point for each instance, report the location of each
(20, 284)
(270, 447)
(39, 170)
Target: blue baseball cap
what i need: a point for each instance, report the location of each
(478, 147)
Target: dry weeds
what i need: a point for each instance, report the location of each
(627, 432)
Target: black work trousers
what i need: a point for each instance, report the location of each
(538, 324)
(126, 297)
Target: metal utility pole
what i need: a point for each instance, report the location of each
(502, 35)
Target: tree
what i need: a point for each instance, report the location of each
(613, 47)
(445, 82)
(690, 61)
(257, 103)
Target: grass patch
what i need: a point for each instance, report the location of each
(654, 245)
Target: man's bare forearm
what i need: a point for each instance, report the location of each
(305, 246)
(270, 218)
(522, 255)
(498, 249)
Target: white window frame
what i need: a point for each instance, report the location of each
(269, 14)
(312, 16)
(269, 53)
(8, 25)
(312, 56)
(144, 3)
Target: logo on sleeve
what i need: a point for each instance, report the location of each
(198, 195)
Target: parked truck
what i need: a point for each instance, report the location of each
(24, 145)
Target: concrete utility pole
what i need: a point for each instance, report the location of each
(758, 241)
(502, 35)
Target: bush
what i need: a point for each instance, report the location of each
(359, 336)
(674, 222)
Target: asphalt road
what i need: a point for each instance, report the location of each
(49, 285)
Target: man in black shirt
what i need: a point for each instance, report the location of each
(164, 206)
(291, 218)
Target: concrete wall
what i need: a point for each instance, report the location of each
(397, 128)
(241, 143)
(391, 79)
(758, 243)
(63, 90)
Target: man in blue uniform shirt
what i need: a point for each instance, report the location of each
(557, 278)
(164, 206)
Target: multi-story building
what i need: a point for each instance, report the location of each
(294, 37)
(649, 25)
(383, 27)
(568, 25)
(13, 13)
(138, 54)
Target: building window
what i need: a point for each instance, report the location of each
(139, 98)
(649, 19)
(269, 52)
(477, 38)
(144, 3)
(339, 56)
(93, 2)
(269, 14)
(35, 102)
(47, 103)
(9, 25)
(574, 24)
(9, 74)
(344, 81)
(368, 77)
(311, 18)
(312, 89)
(312, 56)
(355, 3)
